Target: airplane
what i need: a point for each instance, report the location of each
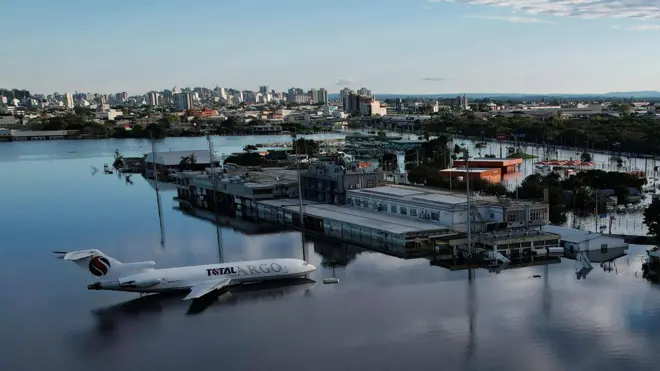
(199, 280)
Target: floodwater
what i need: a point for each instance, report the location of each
(385, 313)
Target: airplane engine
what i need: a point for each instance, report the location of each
(139, 283)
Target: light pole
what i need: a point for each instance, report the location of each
(466, 155)
(215, 201)
(300, 198)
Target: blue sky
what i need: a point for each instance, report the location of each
(389, 46)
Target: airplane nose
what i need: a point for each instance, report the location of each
(311, 267)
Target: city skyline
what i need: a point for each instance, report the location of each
(389, 46)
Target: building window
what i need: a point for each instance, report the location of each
(435, 216)
(603, 248)
(403, 211)
(371, 183)
(349, 201)
(393, 208)
(382, 207)
(413, 212)
(511, 217)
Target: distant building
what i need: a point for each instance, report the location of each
(322, 96)
(68, 100)
(152, 98)
(182, 101)
(9, 122)
(365, 92)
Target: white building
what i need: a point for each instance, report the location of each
(448, 208)
(68, 100)
(578, 240)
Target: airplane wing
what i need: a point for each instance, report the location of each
(206, 288)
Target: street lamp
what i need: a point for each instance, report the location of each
(466, 156)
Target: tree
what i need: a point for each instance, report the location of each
(389, 162)
(187, 162)
(652, 219)
(249, 148)
(304, 146)
(585, 156)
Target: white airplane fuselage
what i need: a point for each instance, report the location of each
(158, 280)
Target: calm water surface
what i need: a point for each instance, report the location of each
(385, 314)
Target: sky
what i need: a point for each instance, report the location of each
(388, 46)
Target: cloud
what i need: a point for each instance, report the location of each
(641, 27)
(345, 82)
(638, 9)
(512, 19)
(433, 79)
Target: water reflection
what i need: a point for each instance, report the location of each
(386, 314)
(130, 318)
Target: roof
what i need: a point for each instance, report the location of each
(362, 218)
(174, 157)
(469, 170)
(44, 133)
(574, 235)
(422, 195)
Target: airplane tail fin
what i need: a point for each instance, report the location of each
(94, 261)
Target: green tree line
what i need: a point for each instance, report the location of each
(636, 134)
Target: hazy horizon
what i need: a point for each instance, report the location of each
(414, 47)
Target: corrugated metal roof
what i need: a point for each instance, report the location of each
(572, 235)
(174, 157)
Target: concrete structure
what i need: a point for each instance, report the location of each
(266, 129)
(506, 165)
(182, 101)
(329, 181)
(43, 135)
(450, 208)
(5, 135)
(387, 233)
(493, 175)
(236, 193)
(9, 122)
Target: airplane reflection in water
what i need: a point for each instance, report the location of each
(131, 316)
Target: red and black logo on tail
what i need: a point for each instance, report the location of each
(99, 266)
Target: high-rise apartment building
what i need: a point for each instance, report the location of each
(313, 96)
(322, 96)
(68, 100)
(182, 101)
(364, 92)
(264, 89)
(152, 98)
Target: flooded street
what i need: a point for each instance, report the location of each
(385, 313)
